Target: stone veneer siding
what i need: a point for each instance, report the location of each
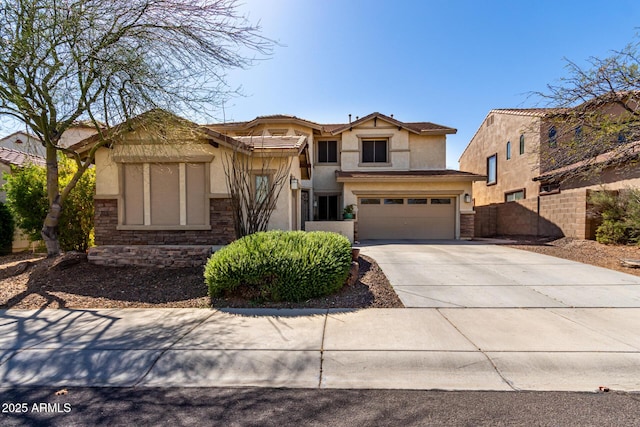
(174, 256)
(106, 232)
(467, 230)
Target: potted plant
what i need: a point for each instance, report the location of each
(347, 213)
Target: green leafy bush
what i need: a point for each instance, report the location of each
(26, 190)
(6, 229)
(281, 265)
(620, 214)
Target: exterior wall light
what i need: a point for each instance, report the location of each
(294, 183)
(467, 198)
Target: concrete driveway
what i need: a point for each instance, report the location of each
(436, 274)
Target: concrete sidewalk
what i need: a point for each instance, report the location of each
(420, 348)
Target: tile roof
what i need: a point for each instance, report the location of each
(19, 158)
(536, 112)
(273, 142)
(416, 127)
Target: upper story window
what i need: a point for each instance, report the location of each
(375, 150)
(553, 137)
(508, 150)
(492, 169)
(522, 144)
(327, 151)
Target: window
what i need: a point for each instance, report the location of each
(327, 151)
(328, 208)
(441, 201)
(417, 201)
(553, 137)
(514, 195)
(508, 150)
(164, 194)
(521, 144)
(549, 188)
(374, 151)
(369, 201)
(394, 201)
(261, 186)
(492, 167)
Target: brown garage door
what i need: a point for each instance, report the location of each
(406, 218)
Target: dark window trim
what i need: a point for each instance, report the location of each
(374, 140)
(508, 150)
(522, 144)
(520, 190)
(495, 181)
(317, 160)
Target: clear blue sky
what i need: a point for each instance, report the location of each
(447, 62)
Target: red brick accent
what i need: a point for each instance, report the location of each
(106, 232)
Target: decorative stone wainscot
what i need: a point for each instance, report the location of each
(173, 256)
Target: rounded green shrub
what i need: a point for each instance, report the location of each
(6, 229)
(281, 265)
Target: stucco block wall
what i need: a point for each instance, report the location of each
(106, 232)
(556, 215)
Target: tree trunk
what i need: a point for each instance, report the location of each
(50, 227)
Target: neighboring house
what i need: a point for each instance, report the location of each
(525, 193)
(13, 158)
(24, 142)
(175, 192)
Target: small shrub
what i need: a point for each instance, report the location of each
(611, 232)
(281, 265)
(6, 229)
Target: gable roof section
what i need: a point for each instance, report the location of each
(19, 158)
(269, 119)
(419, 128)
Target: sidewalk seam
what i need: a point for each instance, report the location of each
(324, 331)
(162, 353)
(495, 367)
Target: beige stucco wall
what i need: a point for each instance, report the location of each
(512, 175)
(398, 155)
(75, 134)
(345, 228)
(428, 152)
(108, 175)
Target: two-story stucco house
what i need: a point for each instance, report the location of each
(392, 173)
(526, 192)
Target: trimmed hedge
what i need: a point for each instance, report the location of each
(281, 265)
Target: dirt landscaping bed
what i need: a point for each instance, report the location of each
(586, 251)
(28, 282)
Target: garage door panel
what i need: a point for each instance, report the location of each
(407, 221)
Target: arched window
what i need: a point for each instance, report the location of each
(522, 144)
(508, 150)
